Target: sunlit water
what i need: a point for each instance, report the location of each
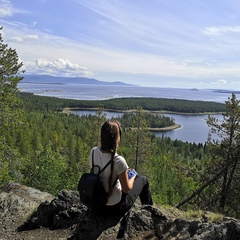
(193, 128)
(99, 92)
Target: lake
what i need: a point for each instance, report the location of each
(193, 127)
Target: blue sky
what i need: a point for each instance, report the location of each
(157, 43)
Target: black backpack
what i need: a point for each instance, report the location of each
(91, 190)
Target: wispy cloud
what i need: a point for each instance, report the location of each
(24, 38)
(6, 8)
(149, 28)
(222, 81)
(214, 31)
(181, 40)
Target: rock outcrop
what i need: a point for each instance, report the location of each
(40, 216)
(20, 200)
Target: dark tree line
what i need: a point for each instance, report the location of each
(153, 120)
(40, 103)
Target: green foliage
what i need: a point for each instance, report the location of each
(55, 146)
(50, 136)
(174, 168)
(225, 160)
(199, 215)
(219, 182)
(139, 141)
(10, 163)
(11, 110)
(153, 120)
(42, 103)
(97, 122)
(4, 166)
(47, 171)
(10, 104)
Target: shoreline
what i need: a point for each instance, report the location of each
(69, 110)
(164, 129)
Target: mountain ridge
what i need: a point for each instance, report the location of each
(49, 79)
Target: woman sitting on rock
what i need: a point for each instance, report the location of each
(123, 189)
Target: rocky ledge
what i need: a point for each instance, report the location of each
(28, 213)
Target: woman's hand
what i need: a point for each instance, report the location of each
(127, 184)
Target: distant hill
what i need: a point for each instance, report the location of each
(226, 91)
(64, 80)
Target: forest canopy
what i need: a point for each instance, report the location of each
(43, 103)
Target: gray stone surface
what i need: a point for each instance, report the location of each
(27, 213)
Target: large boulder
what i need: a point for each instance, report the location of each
(64, 217)
(141, 222)
(62, 212)
(17, 203)
(20, 200)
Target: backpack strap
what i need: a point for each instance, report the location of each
(100, 171)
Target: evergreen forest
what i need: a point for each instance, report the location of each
(123, 104)
(45, 148)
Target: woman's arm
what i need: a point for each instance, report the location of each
(127, 184)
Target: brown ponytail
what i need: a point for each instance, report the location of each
(110, 135)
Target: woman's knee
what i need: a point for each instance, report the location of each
(144, 180)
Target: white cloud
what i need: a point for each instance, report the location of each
(5, 8)
(222, 81)
(214, 31)
(24, 38)
(34, 23)
(8, 10)
(236, 83)
(59, 67)
(103, 60)
(16, 39)
(31, 37)
(167, 54)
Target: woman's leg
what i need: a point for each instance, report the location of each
(141, 189)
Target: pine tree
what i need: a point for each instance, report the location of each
(139, 138)
(222, 172)
(227, 151)
(95, 128)
(10, 106)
